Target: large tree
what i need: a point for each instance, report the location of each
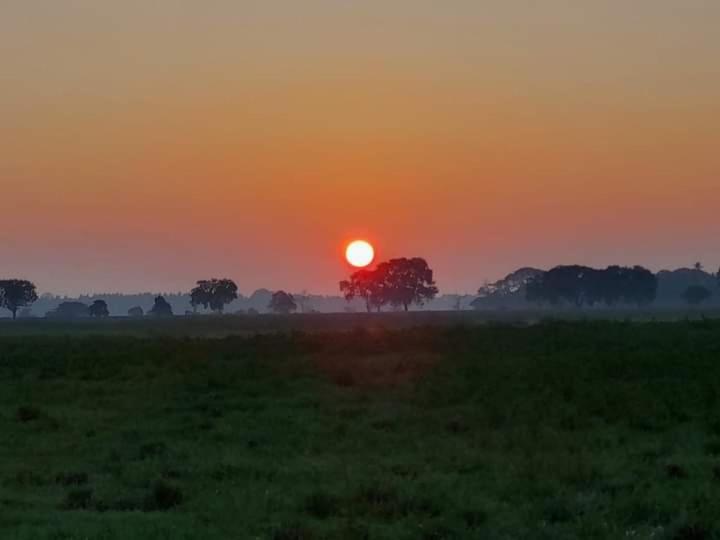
(17, 293)
(282, 302)
(214, 294)
(99, 309)
(364, 284)
(404, 282)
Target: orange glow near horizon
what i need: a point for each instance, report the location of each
(146, 145)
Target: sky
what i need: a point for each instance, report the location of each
(147, 144)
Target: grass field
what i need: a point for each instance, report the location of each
(555, 430)
(247, 325)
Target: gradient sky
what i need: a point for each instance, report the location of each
(148, 144)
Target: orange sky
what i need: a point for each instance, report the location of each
(143, 147)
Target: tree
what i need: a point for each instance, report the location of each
(510, 291)
(136, 312)
(161, 308)
(696, 294)
(213, 293)
(282, 302)
(366, 285)
(99, 309)
(642, 286)
(580, 285)
(405, 281)
(17, 293)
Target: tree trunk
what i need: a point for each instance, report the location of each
(405, 306)
(14, 312)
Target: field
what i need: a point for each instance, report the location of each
(182, 430)
(247, 325)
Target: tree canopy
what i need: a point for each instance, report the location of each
(161, 308)
(363, 284)
(17, 293)
(214, 294)
(406, 281)
(581, 285)
(398, 282)
(282, 302)
(99, 309)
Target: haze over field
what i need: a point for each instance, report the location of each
(147, 145)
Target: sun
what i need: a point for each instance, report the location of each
(359, 253)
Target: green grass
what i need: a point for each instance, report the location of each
(558, 430)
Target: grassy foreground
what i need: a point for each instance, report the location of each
(559, 430)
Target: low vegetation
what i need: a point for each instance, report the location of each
(557, 430)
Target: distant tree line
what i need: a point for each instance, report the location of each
(581, 285)
(397, 283)
(99, 309)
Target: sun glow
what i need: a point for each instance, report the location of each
(359, 253)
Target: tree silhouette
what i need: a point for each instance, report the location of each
(511, 291)
(136, 312)
(405, 281)
(282, 302)
(17, 293)
(213, 293)
(161, 308)
(696, 294)
(366, 285)
(580, 285)
(642, 286)
(99, 309)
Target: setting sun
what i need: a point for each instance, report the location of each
(359, 253)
